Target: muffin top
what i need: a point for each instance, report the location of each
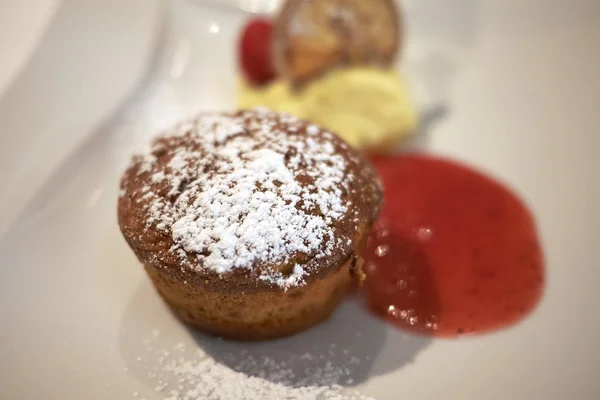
(253, 200)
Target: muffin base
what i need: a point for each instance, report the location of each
(254, 316)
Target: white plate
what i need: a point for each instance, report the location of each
(520, 81)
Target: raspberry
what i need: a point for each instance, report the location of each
(255, 51)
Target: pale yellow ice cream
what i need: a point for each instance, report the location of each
(367, 107)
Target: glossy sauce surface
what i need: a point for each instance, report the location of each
(454, 252)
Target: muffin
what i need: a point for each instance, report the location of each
(249, 224)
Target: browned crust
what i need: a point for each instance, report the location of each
(253, 316)
(300, 64)
(152, 246)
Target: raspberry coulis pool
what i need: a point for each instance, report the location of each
(453, 252)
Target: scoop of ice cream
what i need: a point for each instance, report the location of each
(366, 106)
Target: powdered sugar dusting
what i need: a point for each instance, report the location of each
(180, 373)
(236, 190)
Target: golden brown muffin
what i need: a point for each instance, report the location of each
(249, 223)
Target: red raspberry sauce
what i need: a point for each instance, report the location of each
(453, 252)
